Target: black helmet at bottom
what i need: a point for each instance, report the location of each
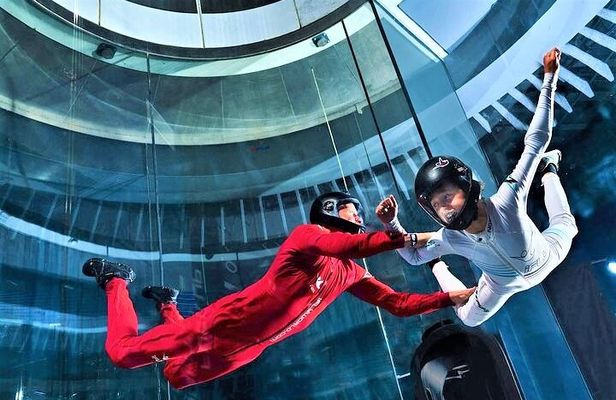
(442, 169)
(324, 211)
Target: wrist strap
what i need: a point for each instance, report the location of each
(413, 239)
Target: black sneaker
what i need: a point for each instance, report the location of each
(161, 294)
(550, 162)
(103, 270)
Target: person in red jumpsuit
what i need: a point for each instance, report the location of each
(311, 269)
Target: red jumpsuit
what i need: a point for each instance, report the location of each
(311, 269)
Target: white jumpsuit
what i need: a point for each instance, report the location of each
(511, 252)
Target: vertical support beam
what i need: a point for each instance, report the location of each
(301, 206)
(243, 219)
(222, 225)
(139, 223)
(74, 212)
(54, 204)
(283, 216)
(117, 222)
(182, 225)
(263, 218)
(95, 222)
(202, 244)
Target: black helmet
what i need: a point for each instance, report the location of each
(442, 169)
(324, 211)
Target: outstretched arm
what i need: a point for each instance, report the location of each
(314, 239)
(540, 129)
(402, 304)
(537, 137)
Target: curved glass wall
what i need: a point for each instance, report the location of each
(194, 173)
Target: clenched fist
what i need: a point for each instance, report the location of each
(551, 61)
(387, 209)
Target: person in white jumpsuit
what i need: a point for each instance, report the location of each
(495, 233)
